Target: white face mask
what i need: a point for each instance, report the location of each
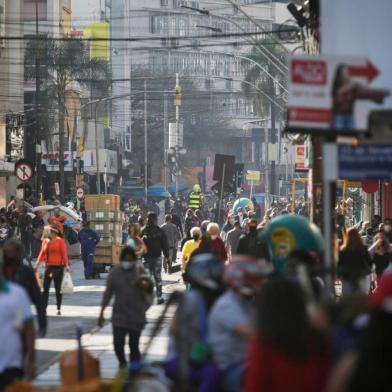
(127, 265)
(214, 237)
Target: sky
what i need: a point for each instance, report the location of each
(84, 12)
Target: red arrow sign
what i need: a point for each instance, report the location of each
(368, 71)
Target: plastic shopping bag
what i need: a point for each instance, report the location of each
(67, 286)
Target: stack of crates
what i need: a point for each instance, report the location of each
(106, 218)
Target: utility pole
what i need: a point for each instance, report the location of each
(38, 151)
(98, 172)
(266, 170)
(165, 144)
(61, 146)
(177, 102)
(145, 144)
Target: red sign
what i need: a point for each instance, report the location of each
(299, 163)
(309, 115)
(369, 71)
(309, 72)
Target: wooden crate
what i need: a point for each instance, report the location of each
(108, 202)
(101, 214)
(107, 254)
(107, 228)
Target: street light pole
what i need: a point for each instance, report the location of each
(98, 173)
(177, 137)
(266, 167)
(165, 144)
(145, 144)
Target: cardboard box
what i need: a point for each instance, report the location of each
(107, 202)
(100, 214)
(110, 241)
(107, 254)
(107, 228)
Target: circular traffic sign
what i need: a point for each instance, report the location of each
(23, 170)
(80, 193)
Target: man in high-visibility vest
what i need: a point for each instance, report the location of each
(195, 199)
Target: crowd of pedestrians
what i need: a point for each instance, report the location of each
(257, 312)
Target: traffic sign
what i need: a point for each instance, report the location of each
(80, 193)
(23, 170)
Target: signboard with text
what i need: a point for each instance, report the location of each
(331, 93)
(366, 162)
(299, 160)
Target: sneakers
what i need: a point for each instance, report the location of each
(160, 301)
(58, 312)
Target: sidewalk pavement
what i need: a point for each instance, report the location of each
(99, 341)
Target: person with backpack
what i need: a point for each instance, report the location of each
(189, 359)
(230, 323)
(156, 243)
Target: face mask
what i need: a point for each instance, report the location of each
(214, 237)
(10, 261)
(252, 228)
(127, 265)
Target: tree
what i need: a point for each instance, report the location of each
(202, 127)
(267, 77)
(61, 64)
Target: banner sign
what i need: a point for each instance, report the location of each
(331, 93)
(299, 160)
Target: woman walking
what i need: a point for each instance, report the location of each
(54, 254)
(354, 266)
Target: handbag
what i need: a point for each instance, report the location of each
(67, 286)
(201, 351)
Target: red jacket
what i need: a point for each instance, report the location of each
(53, 253)
(270, 370)
(218, 248)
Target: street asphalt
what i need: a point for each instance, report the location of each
(81, 309)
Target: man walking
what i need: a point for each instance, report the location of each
(16, 333)
(233, 238)
(155, 240)
(132, 289)
(18, 272)
(26, 230)
(172, 237)
(88, 239)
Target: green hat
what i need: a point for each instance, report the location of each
(288, 233)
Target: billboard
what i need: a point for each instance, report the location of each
(360, 28)
(329, 93)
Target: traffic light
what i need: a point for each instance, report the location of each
(177, 98)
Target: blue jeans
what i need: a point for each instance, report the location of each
(88, 260)
(154, 266)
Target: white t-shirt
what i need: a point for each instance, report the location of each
(15, 310)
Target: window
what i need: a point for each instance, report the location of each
(164, 3)
(29, 10)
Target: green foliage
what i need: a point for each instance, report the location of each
(261, 79)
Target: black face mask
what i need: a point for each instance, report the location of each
(252, 229)
(10, 261)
